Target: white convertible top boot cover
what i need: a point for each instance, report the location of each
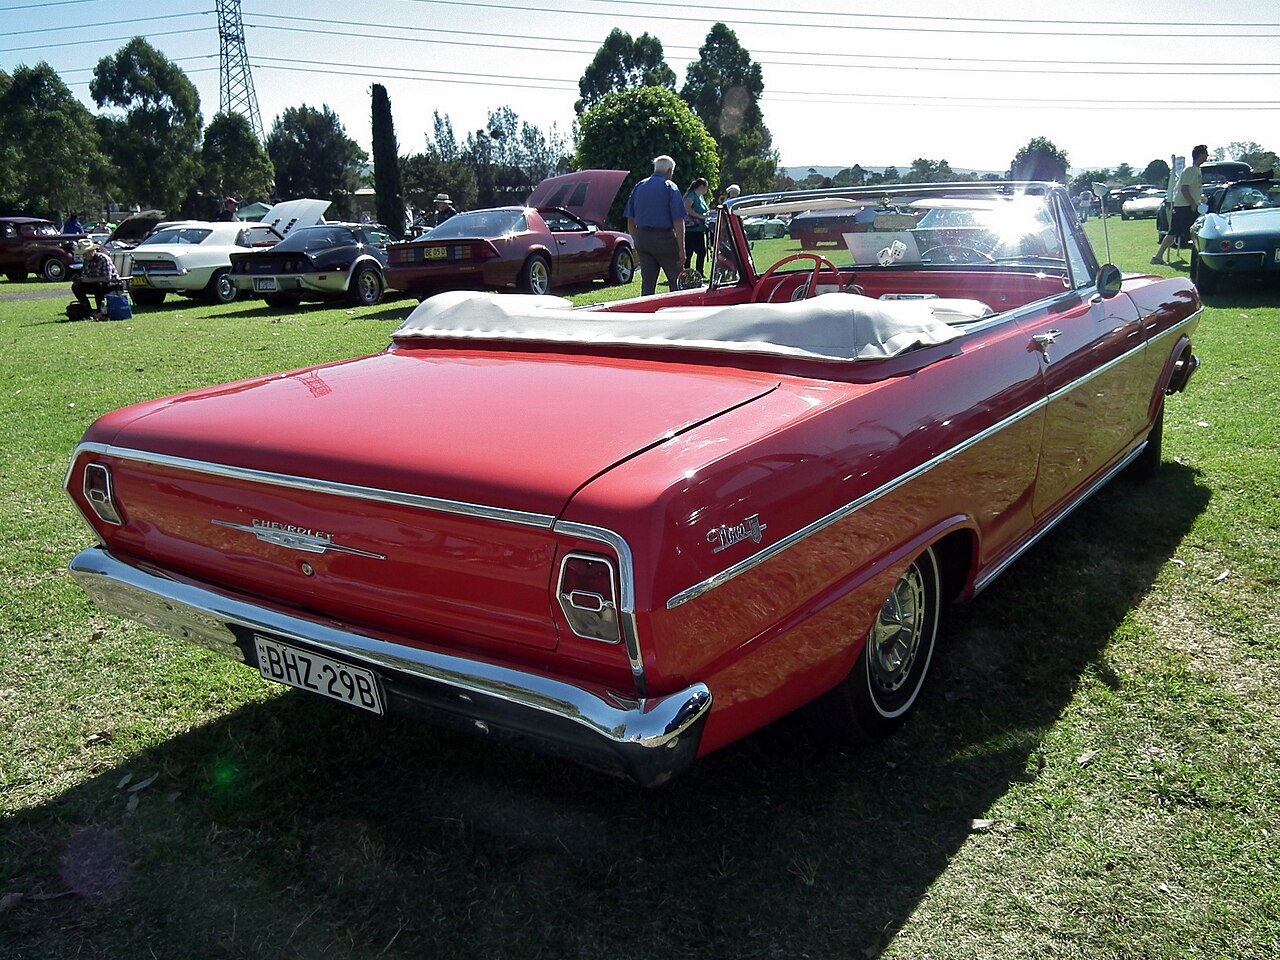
(833, 326)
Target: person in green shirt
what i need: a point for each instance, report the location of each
(696, 210)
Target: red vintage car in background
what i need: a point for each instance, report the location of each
(632, 534)
(554, 240)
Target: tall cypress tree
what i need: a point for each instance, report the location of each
(386, 164)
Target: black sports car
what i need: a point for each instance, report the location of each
(330, 261)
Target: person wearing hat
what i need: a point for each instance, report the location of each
(229, 208)
(97, 276)
(444, 209)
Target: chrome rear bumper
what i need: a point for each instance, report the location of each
(647, 740)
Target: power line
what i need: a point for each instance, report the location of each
(105, 23)
(737, 9)
(1017, 66)
(81, 43)
(543, 83)
(737, 18)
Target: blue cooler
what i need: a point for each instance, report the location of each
(118, 307)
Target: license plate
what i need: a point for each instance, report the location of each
(139, 281)
(310, 671)
(435, 253)
(264, 284)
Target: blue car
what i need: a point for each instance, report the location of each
(1239, 235)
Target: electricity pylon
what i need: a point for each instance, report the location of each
(233, 60)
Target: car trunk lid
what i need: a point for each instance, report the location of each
(412, 492)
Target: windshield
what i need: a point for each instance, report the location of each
(1244, 196)
(315, 239)
(907, 230)
(176, 236)
(480, 223)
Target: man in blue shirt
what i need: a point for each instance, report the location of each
(655, 219)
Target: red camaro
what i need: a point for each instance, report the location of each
(629, 535)
(553, 240)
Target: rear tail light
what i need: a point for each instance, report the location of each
(99, 492)
(588, 594)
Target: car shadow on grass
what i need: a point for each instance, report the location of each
(293, 827)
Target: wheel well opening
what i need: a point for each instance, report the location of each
(956, 553)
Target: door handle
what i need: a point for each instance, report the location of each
(1042, 342)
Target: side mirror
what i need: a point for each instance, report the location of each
(1109, 281)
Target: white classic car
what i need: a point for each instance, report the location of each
(193, 257)
(1146, 204)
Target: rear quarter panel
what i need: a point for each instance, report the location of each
(834, 454)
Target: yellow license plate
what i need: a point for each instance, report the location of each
(435, 253)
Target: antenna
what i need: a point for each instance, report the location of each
(233, 68)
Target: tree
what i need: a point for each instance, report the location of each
(234, 162)
(890, 175)
(1252, 154)
(314, 157)
(386, 164)
(425, 175)
(929, 171)
(1085, 179)
(623, 64)
(850, 176)
(154, 145)
(625, 131)
(1157, 172)
(51, 158)
(723, 87)
(1124, 173)
(1039, 160)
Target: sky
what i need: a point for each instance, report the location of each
(870, 83)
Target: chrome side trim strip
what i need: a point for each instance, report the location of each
(1096, 372)
(999, 568)
(835, 516)
(648, 740)
(333, 488)
(698, 589)
(626, 589)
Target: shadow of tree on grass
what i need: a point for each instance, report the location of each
(295, 828)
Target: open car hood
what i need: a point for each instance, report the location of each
(587, 193)
(290, 214)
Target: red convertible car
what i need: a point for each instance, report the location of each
(631, 534)
(553, 240)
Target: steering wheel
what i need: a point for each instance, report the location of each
(956, 253)
(819, 264)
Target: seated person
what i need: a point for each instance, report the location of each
(98, 276)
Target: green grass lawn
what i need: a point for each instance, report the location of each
(1093, 772)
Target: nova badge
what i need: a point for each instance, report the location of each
(295, 538)
(725, 537)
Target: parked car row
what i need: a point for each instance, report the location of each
(292, 255)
